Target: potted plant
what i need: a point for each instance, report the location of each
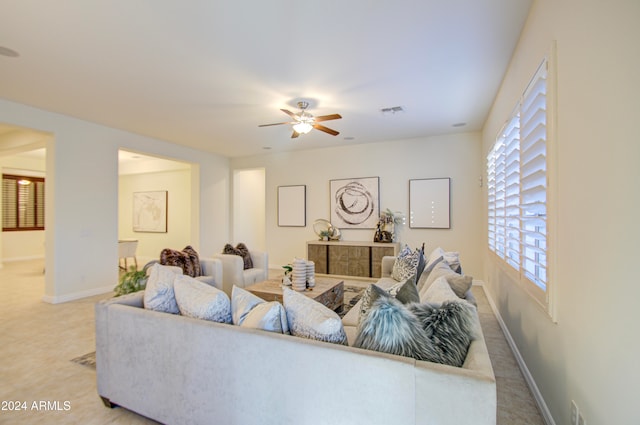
(132, 281)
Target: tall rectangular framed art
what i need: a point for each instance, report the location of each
(292, 208)
(355, 203)
(150, 211)
(429, 203)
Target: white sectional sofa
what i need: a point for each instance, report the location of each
(179, 370)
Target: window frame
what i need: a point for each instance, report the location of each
(38, 213)
(519, 272)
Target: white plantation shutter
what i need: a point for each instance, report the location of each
(517, 185)
(533, 182)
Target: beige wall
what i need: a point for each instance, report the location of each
(590, 354)
(179, 204)
(82, 193)
(395, 162)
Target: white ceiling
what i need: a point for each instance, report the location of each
(205, 73)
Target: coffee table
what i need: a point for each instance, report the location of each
(329, 292)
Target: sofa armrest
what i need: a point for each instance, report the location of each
(260, 260)
(232, 267)
(211, 271)
(387, 265)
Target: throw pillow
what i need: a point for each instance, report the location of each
(241, 250)
(309, 319)
(439, 292)
(187, 259)
(422, 262)
(460, 283)
(440, 334)
(405, 292)
(389, 327)
(450, 328)
(251, 311)
(406, 264)
(201, 301)
(159, 293)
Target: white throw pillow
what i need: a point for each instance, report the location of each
(251, 311)
(309, 319)
(439, 292)
(201, 301)
(159, 294)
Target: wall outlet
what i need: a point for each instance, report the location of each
(574, 413)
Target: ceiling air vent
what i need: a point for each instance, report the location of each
(392, 111)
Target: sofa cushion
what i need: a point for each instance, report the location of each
(201, 301)
(159, 293)
(251, 311)
(309, 319)
(241, 250)
(406, 264)
(187, 259)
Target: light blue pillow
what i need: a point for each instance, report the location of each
(251, 311)
(201, 301)
(309, 319)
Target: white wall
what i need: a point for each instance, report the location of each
(82, 191)
(179, 225)
(590, 355)
(248, 219)
(395, 162)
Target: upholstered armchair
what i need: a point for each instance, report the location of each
(234, 273)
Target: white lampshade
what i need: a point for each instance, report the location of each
(302, 127)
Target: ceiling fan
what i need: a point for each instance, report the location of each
(304, 121)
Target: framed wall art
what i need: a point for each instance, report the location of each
(355, 203)
(150, 211)
(429, 203)
(292, 206)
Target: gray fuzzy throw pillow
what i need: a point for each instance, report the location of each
(241, 250)
(391, 328)
(439, 334)
(450, 327)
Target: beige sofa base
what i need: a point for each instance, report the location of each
(175, 369)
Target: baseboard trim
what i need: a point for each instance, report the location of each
(77, 295)
(542, 405)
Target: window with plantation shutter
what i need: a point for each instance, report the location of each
(517, 186)
(22, 203)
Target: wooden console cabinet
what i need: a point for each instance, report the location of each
(349, 258)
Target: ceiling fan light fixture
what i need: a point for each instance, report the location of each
(302, 127)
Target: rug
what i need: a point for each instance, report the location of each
(352, 295)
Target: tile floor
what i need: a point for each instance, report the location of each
(37, 342)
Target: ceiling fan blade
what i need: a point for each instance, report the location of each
(291, 114)
(295, 134)
(325, 129)
(327, 117)
(276, 123)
